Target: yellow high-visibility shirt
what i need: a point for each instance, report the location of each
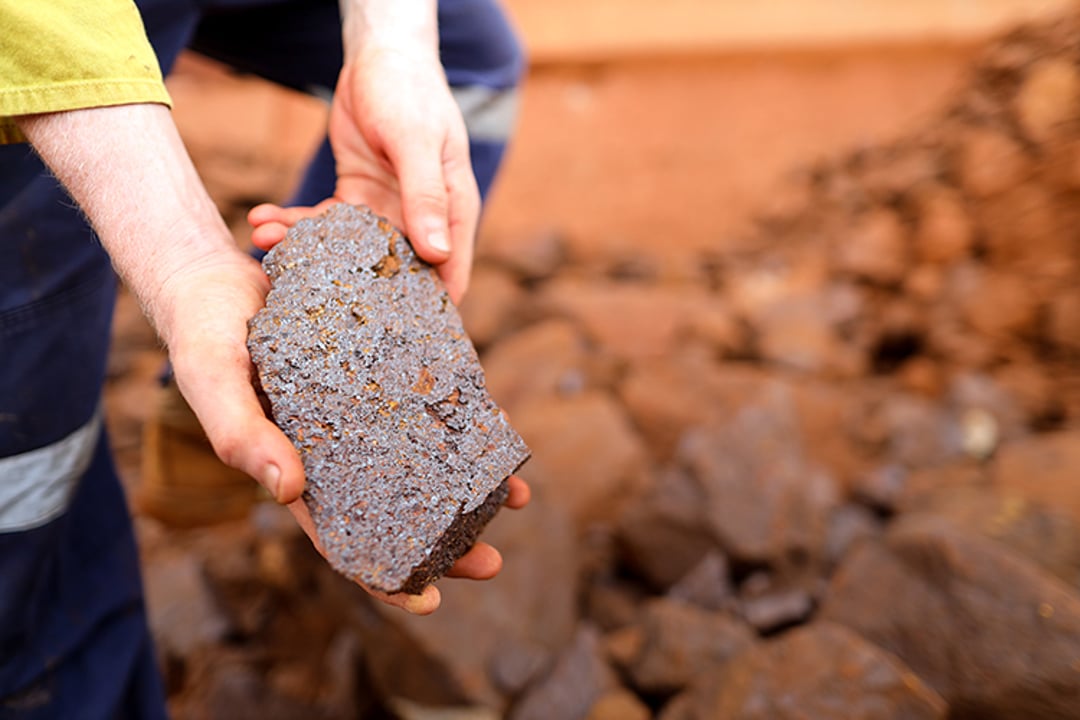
(68, 54)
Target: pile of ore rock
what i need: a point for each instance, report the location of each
(831, 471)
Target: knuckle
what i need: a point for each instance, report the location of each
(229, 448)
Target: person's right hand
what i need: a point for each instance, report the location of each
(400, 147)
(399, 140)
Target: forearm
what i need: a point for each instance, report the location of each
(379, 25)
(127, 168)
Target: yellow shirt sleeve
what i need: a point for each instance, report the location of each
(60, 55)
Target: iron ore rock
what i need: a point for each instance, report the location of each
(371, 375)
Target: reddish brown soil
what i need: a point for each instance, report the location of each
(658, 152)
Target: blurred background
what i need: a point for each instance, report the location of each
(785, 298)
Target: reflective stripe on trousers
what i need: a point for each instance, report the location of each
(36, 486)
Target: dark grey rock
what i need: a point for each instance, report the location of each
(370, 374)
(580, 677)
(680, 641)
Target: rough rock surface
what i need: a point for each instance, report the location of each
(997, 636)
(372, 377)
(763, 499)
(679, 641)
(579, 678)
(822, 671)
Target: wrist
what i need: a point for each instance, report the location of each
(375, 26)
(177, 304)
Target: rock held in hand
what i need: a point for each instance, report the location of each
(371, 375)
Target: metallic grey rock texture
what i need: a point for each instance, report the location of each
(371, 375)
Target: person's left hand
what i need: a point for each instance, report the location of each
(401, 148)
(204, 312)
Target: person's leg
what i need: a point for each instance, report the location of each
(70, 594)
(484, 64)
(81, 647)
(73, 634)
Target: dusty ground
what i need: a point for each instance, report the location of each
(824, 433)
(668, 152)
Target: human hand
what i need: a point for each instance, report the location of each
(401, 148)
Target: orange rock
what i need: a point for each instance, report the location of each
(490, 306)
(944, 231)
(934, 592)
(998, 305)
(535, 362)
(1030, 231)
(590, 458)
(619, 705)
(818, 671)
(1033, 388)
(667, 397)
(1063, 327)
(636, 322)
(797, 333)
(1042, 470)
(1048, 99)
(875, 249)
(988, 162)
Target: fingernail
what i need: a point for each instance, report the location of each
(438, 240)
(271, 479)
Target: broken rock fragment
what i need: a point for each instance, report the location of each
(370, 374)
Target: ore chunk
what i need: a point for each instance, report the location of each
(370, 374)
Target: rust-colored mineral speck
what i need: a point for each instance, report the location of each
(370, 374)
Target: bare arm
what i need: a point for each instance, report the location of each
(128, 170)
(112, 160)
(404, 22)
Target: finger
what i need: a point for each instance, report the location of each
(269, 212)
(520, 493)
(424, 202)
(264, 213)
(230, 413)
(463, 213)
(271, 222)
(425, 603)
(268, 235)
(482, 562)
